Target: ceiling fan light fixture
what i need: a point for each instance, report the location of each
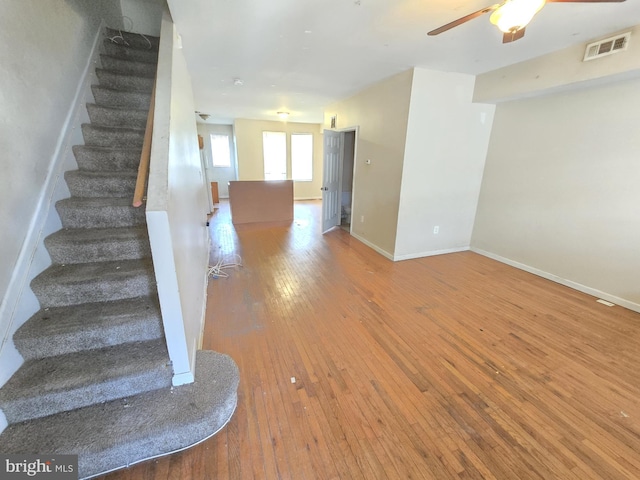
(516, 14)
(283, 115)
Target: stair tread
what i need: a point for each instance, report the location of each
(102, 149)
(111, 71)
(144, 92)
(80, 368)
(99, 212)
(81, 273)
(117, 108)
(116, 57)
(100, 323)
(130, 53)
(81, 245)
(96, 202)
(91, 235)
(98, 174)
(136, 81)
(107, 115)
(121, 97)
(111, 128)
(119, 433)
(50, 385)
(121, 152)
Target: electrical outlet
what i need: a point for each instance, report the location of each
(361, 218)
(436, 230)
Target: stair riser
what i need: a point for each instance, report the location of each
(123, 52)
(115, 98)
(124, 82)
(130, 67)
(50, 403)
(87, 186)
(114, 332)
(109, 117)
(102, 289)
(97, 160)
(76, 216)
(68, 254)
(115, 138)
(91, 326)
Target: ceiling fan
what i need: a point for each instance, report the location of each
(511, 16)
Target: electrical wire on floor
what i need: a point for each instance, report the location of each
(119, 39)
(218, 270)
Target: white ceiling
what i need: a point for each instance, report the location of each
(301, 55)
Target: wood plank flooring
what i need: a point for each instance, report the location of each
(447, 367)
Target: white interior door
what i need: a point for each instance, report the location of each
(331, 180)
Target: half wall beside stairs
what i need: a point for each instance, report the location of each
(177, 208)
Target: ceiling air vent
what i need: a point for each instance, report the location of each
(607, 46)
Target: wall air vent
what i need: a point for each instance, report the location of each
(607, 46)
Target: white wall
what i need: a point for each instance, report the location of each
(177, 208)
(143, 16)
(561, 190)
(447, 140)
(222, 175)
(47, 51)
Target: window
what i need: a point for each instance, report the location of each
(220, 154)
(274, 148)
(302, 156)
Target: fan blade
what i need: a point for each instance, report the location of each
(586, 1)
(462, 20)
(513, 36)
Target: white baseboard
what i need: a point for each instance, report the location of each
(382, 252)
(19, 302)
(182, 379)
(308, 198)
(563, 281)
(429, 253)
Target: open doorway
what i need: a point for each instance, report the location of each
(346, 197)
(338, 172)
(218, 155)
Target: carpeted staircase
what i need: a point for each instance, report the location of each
(97, 377)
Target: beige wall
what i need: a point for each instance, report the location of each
(249, 150)
(447, 140)
(561, 189)
(381, 112)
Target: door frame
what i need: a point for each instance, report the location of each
(356, 130)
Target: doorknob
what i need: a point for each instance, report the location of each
(324, 188)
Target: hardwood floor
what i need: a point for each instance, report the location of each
(447, 367)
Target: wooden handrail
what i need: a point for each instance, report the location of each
(145, 156)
